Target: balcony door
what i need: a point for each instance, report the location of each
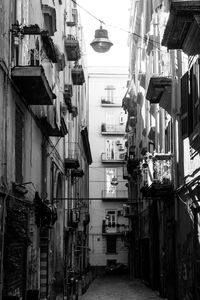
(110, 122)
(110, 189)
(110, 149)
(111, 221)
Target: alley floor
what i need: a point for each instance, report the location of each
(118, 288)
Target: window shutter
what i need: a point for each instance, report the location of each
(19, 126)
(194, 79)
(184, 104)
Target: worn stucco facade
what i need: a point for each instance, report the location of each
(43, 121)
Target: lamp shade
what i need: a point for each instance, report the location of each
(101, 43)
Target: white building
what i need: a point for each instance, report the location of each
(108, 192)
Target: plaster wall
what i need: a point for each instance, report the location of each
(99, 79)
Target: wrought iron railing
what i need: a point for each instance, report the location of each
(115, 194)
(163, 168)
(113, 157)
(112, 128)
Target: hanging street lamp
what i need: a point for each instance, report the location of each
(101, 42)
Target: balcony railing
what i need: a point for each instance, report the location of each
(160, 174)
(72, 48)
(113, 129)
(115, 194)
(162, 168)
(114, 158)
(111, 102)
(114, 228)
(78, 77)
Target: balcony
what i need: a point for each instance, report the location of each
(78, 77)
(53, 129)
(159, 91)
(76, 174)
(112, 129)
(115, 158)
(114, 195)
(72, 48)
(33, 85)
(113, 103)
(68, 90)
(113, 228)
(182, 30)
(160, 169)
(72, 161)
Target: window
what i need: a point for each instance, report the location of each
(19, 143)
(110, 149)
(111, 244)
(110, 122)
(110, 93)
(110, 189)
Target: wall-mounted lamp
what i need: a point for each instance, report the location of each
(101, 42)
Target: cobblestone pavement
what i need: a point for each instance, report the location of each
(118, 288)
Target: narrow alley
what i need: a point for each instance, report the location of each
(108, 287)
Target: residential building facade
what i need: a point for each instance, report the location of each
(108, 192)
(163, 152)
(43, 119)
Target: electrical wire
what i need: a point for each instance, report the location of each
(116, 27)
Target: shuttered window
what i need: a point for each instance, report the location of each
(194, 88)
(19, 137)
(184, 104)
(190, 99)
